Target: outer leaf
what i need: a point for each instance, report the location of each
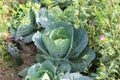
(38, 42)
(23, 73)
(83, 61)
(13, 50)
(35, 76)
(48, 66)
(80, 41)
(66, 25)
(46, 19)
(75, 76)
(88, 55)
(34, 69)
(28, 38)
(32, 17)
(39, 58)
(26, 29)
(23, 31)
(63, 67)
(79, 66)
(15, 53)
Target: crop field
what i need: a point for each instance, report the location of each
(59, 39)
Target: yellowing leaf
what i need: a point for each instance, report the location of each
(45, 77)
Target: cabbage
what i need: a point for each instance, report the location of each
(63, 50)
(62, 44)
(47, 71)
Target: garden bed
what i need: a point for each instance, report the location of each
(11, 73)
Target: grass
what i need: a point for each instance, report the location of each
(5, 57)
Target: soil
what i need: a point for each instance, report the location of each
(11, 73)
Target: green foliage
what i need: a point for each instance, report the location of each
(15, 53)
(26, 29)
(4, 55)
(63, 44)
(47, 71)
(59, 42)
(97, 17)
(4, 15)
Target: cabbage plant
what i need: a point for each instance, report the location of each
(62, 44)
(27, 28)
(47, 71)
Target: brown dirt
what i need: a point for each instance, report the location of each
(11, 73)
